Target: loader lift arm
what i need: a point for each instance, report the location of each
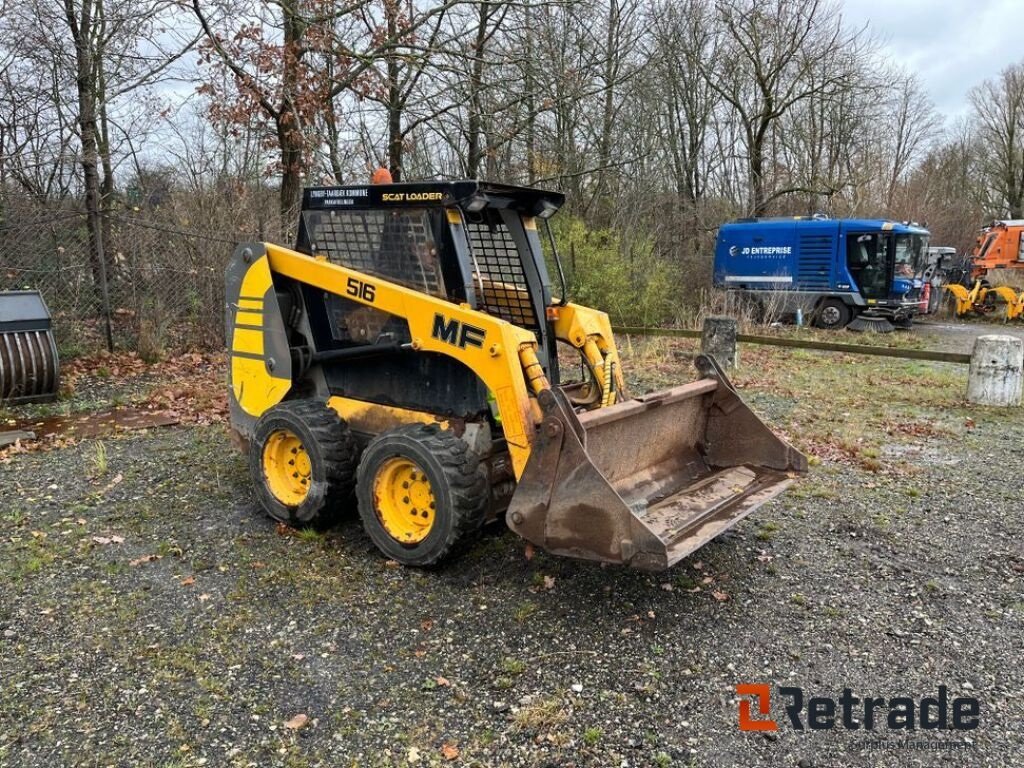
(487, 345)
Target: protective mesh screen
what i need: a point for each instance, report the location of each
(498, 273)
(395, 245)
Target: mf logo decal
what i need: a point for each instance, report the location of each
(763, 694)
(457, 334)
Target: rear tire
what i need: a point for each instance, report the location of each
(832, 314)
(422, 494)
(302, 459)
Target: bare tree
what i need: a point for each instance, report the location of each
(761, 68)
(914, 125)
(999, 124)
(682, 38)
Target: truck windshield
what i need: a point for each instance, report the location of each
(910, 253)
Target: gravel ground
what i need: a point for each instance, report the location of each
(151, 615)
(958, 336)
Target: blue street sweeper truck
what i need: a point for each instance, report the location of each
(857, 273)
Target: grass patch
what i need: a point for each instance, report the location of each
(524, 611)
(513, 666)
(540, 715)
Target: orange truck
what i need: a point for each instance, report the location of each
(996, 270)
(999, 246)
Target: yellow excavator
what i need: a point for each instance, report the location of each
(407, 349)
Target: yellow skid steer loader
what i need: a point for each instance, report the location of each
(407, 349)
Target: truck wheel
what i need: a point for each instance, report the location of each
(421, 492)
(302, 459)
(832, 314)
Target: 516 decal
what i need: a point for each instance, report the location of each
(361, 290)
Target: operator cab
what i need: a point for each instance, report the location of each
(467, 242)
(887, 266)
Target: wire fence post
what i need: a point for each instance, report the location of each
(97, 226)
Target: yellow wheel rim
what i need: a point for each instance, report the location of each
(404, 500)
(286, 467)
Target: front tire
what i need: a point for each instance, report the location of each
(302, 459)
(422, 493)
(832, 314)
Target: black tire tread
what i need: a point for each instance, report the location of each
(332, 434)
(844, 310)
(339, 451)
(466, 479)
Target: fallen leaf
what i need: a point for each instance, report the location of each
(204, 597)
(528, 551)
(101, 540)
(188, 581)
(143, 559)
(117, 539)
(413, 756)
(720, 596)
(449, 751)
(115, 481)
(296, 722)
(549, 582)
(427, 624)
(442, 681)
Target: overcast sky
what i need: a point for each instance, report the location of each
(952, 45)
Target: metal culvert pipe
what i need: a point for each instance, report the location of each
(29, 367)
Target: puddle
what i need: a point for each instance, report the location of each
(920, 454)
(88, 425)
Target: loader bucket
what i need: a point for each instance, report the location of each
(648, 481)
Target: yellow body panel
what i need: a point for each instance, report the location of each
(249, 318)
(256, 388)
(374, 418)
(248, 341)
(488, 346)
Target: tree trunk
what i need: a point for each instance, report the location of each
(531, 103)
(608, 107)
(474, 123)
(756, 163)
(288, 123)
(394, 97)
(85, 81)
(290, 141)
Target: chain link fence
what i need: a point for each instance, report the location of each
(164, 277)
